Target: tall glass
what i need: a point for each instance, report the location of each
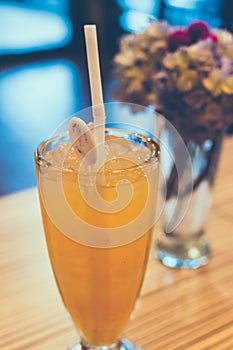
(98, 226)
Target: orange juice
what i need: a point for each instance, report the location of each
(100, 284)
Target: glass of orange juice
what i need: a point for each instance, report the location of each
(98, 223)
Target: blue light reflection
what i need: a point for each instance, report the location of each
(186, 4)
(137, 14)
(26, 29)
(135, 21)
(34, 100)
(144, 6)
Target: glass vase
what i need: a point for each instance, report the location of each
(182, 242)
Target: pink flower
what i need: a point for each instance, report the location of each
(198, 30)
(213, 37)
(178, 38)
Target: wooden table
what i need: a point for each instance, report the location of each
(178, 309)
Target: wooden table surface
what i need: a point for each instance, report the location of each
(178, 309)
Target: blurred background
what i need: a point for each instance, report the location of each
(44, 76)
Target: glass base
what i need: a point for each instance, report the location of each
(182, 252)
(123, 344)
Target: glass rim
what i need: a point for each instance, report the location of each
(154, 157)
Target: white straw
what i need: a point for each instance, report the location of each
(95, 83)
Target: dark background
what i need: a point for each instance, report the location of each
(44, 75)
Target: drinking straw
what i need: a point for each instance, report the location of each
(95, 84)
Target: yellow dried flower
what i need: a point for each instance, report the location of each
(185, 75)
